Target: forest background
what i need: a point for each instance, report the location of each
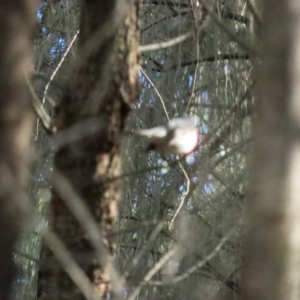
(86, 212)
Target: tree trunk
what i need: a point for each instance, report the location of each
(103, 87)
(16, 23)
(272, 260)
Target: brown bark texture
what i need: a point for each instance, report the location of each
(103, 86)
(16, 24)
(272, 247)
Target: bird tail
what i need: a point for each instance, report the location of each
(140, 132)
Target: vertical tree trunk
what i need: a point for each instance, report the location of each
(104, 85)
(272, 251)
(16, 22)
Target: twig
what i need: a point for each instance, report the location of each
(51, 240)
(254, 12)
(167, 44)
(198, 265)
(184, 196)
(53, 75)
(69, 264)
(212, 58)
(76, 205)
(40, 111)
(27, 256)
(153, 271)
(59, 65)
(225, 29)
(139, 255)
(157, 92)
(140, 226)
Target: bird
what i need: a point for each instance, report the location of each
(178, 137)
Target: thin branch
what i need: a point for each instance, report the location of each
(69, 264)
(233, 149)
(167, 44)
(182, 13)
(59, 65)
(153, 271)
(247, 47)
(212, 58)
(27, 256)
(198, 265)
(169, 3)
(254, 12)
(185, 194)
(53, 75)
(157, 92)
(40, 111)
(77, 206)
(139, 255)
(142, 171)
(52, 241)
(214, 274)
(224, 128)
(138, 227)
(228, 14)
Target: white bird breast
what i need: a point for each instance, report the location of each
(183, 142)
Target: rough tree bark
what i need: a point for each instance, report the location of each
(103, 87)
(16, 24)
(272, 250)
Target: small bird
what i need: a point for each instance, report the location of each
(178, 137)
